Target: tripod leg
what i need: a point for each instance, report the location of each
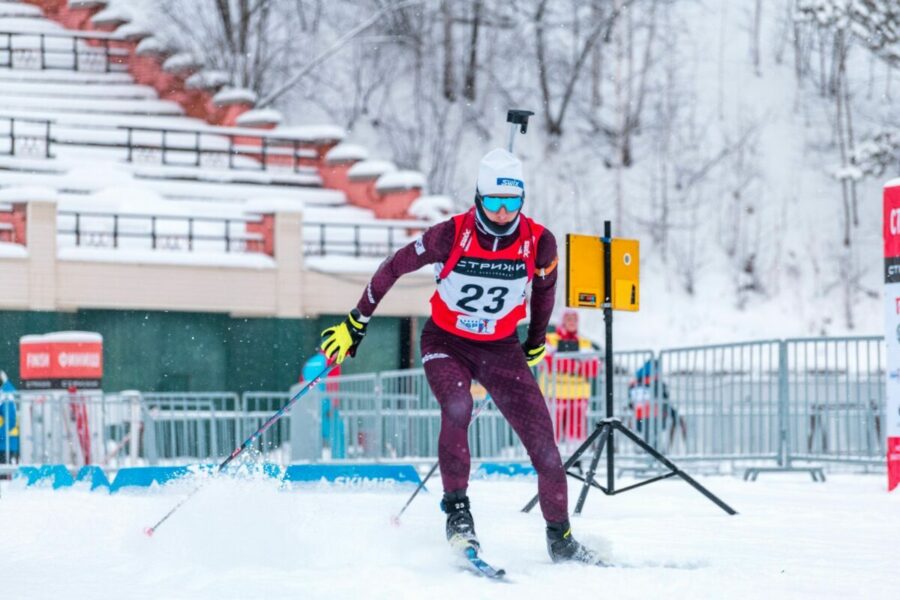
(604, 436)
(571, 461)
(652, 452)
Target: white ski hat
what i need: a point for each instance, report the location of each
(500, 173)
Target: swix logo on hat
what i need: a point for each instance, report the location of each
(500, 172)
(510, 182)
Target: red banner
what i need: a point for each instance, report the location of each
(892, 327)
(61, 357)
(893, 461)
(891, 221)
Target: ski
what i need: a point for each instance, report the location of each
(481, 566)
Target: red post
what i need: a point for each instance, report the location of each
(18, 220)
(266, 228)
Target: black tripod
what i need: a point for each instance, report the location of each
(606, 428)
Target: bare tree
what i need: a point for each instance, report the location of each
(755, 41)
(472, 65)
(567, 74)
(449, 79)
(251, 40)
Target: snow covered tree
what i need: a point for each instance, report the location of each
(876, 156)
(875, 23)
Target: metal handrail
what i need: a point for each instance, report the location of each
(397, 234)
(47, 123)
(103, 49)
(95, 35)
(272, 151)
(154, 235)
(288, 147)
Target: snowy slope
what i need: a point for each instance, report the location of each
(794, 228)
(792, 539)
(788, 216)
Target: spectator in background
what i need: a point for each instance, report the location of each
(567, 382)
(654, 415)
(9, 425)
(332, 425)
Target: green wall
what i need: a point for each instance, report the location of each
(169, 351)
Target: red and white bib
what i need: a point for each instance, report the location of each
(481, 293)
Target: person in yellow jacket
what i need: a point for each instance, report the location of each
(567, 380)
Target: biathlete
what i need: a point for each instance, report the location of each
(485, 259)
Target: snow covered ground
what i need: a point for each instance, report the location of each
(792, 539)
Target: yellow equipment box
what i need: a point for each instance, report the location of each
(584, 273)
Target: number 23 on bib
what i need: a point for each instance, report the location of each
(481, 293)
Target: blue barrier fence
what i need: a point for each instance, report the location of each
(504, 469)
(58, 476)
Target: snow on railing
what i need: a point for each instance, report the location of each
(267, 149)
(66, 50)
(159, 232)
(239, 148)
(25, 136)
(375, 239)
(113, 230)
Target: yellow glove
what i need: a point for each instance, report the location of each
(534, 354)
(342, 340)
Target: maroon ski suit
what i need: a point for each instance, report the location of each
(451, 362)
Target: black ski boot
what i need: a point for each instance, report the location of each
(460, 524)
(563, 547)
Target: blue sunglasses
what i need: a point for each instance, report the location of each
(493, 203)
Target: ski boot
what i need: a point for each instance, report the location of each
(460, 524)
(563, 547)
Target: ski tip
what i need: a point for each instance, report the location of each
(148, 531)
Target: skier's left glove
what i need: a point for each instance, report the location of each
(534, 354)
(343, 339)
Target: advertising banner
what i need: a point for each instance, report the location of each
(892, 327)
(61, 360)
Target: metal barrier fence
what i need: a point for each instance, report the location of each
(255, 409)
(71, 429)
(717, 401)
(189, 426)
(351, 414)
(774, 402)
(836, 400)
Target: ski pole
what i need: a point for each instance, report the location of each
(395, 520)
(248, 442)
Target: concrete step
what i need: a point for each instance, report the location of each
(64, 77)
(108, 91)
(40, 104)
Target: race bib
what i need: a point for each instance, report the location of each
(485, 290)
